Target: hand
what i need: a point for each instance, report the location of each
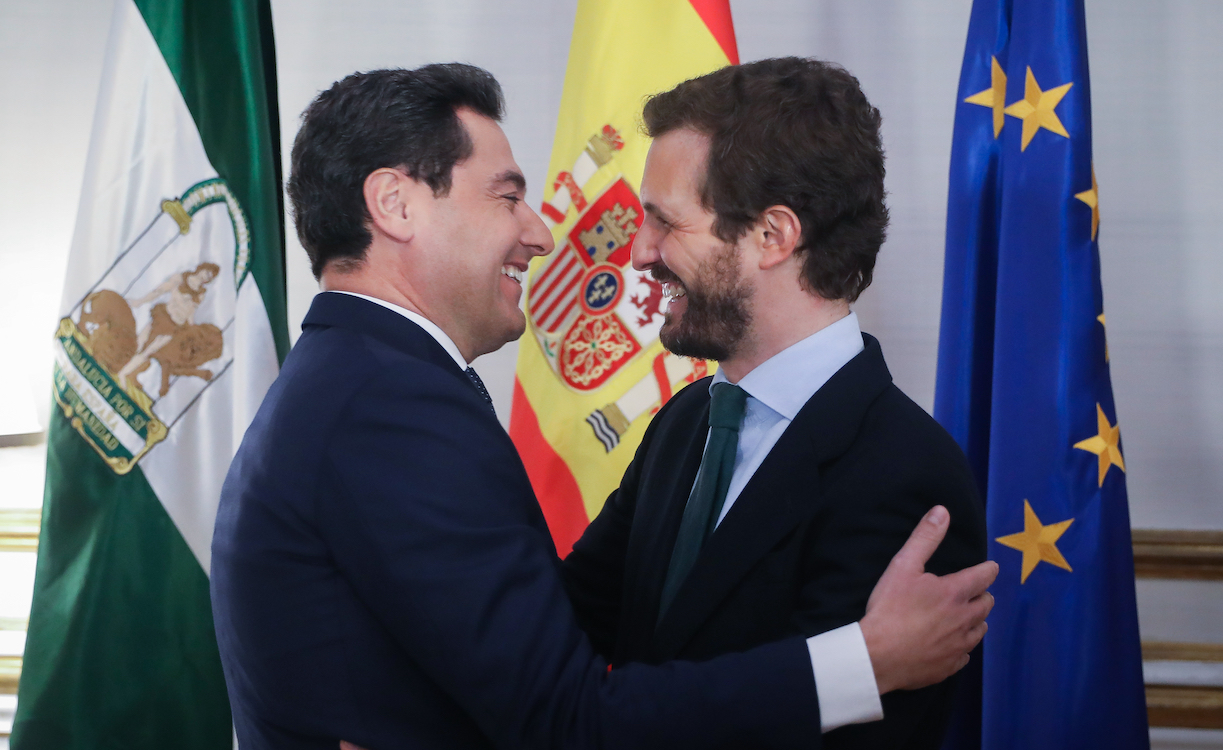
(919, 627)
(349, 746)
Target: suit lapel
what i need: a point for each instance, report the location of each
(675, 455)
(782, 493)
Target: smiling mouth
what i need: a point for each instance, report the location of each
(513, 272)
(673, 290)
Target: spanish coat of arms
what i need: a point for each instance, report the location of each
(590, 311)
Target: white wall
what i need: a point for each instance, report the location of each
(50, 60)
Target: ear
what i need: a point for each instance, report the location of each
(779, 231)
(388, 198)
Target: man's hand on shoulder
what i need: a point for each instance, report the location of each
(919, 627)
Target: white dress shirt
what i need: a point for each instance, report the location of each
(777, 389)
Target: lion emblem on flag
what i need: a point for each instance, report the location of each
(139, 349)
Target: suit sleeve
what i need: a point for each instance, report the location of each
(430, 518)
(853, 542)
(593, 573)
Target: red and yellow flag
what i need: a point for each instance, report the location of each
(591, 371)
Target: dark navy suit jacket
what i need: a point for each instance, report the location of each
(382, 573)
(800, 550)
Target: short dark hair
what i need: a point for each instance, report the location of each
(405, 119)
(794, 132)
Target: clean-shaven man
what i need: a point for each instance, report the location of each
(766, 501)
(381, 570)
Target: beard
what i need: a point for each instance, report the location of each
(716, 317)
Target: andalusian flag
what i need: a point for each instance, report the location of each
(591, 371)
(173, 320)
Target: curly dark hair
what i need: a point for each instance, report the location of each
(794, 132)
(383, 118)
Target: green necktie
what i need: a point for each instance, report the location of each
(726, 407)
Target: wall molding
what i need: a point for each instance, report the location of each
(23, 440)
(10, 673)
(1175, 651)
(1185, 706)
(19, 529)
(1178, 555)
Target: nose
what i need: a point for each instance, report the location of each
(535, 234)
(645, 246)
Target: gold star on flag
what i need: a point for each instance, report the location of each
(1105, 445)
(1100, 318)
(1036, 109)
(993, 97)
(1092, 198)
(1037, 542)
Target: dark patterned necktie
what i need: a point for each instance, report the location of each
(726, 406)
(479, 384)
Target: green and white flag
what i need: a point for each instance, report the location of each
(173, 327)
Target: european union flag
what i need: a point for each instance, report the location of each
(1023, 385)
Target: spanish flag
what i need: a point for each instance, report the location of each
(591, 371)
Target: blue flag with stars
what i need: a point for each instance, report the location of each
(1024, 387)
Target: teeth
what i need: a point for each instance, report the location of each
(514, 273)
(671, 291)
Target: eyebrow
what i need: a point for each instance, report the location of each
(653, 209)
(511, 177)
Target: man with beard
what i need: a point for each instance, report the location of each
(768, 499)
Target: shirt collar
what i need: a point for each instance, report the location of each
(788, 379)
(430, 328)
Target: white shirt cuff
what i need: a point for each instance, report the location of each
(844, 678)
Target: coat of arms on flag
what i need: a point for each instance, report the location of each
(591, 312)
(591, 370)
(148, 338)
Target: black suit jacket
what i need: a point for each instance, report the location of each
(801, 548)
(382, 573)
